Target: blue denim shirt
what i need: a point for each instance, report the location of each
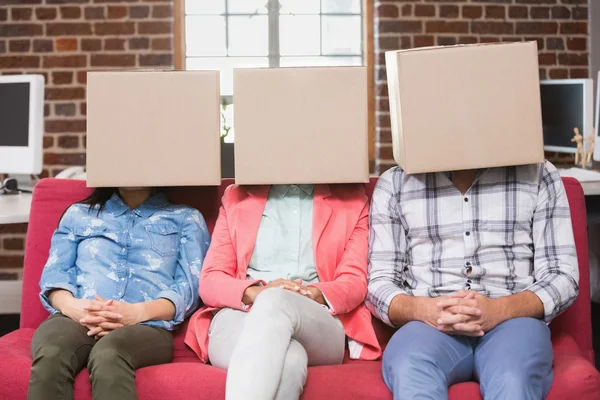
(154, 251)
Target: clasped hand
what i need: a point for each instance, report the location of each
(104, 316)
(296, 286)
(465, 313)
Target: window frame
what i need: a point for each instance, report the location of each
(369, 56)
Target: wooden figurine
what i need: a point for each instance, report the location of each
(590, 148)
(578, 139)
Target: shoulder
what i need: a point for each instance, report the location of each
(77, 212)
(183, 213)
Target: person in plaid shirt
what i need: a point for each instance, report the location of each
(471, 266)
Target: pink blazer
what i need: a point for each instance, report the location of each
(340, 245)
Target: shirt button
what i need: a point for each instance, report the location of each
(467, 233)
(468, 264)
(468, 281)
(122, 279)
(123, 251)
(120, 293)
(469, 270)
(295, 211)
(466, 199)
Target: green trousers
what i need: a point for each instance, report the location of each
(61, 348)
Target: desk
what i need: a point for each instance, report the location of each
(591, 188)
(14, 208)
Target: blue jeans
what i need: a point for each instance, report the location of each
(512, 361)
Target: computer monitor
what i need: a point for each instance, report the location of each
(597, 121)
(566, 104)
(21, 124)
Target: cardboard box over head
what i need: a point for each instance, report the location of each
(301, 125)
(155, 128)
(465, 107)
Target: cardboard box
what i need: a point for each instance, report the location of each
(301, 125)
(465, 107)
(158, 128)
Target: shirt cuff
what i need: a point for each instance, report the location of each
(328, 306)
(45, 294)
(383, 300)
(546, 300)
(177, 301)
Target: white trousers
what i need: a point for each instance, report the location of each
(267, 351)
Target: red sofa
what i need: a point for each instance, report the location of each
(187, 378)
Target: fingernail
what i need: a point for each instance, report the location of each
(478, 312)
(281, 286)
(439, 321)
(296, 287)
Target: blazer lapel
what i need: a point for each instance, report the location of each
(321, 214)
(247, 220)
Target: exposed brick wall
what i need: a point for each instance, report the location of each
(559, 26)
(62, 39)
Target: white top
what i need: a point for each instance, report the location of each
(14, 208)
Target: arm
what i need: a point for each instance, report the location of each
(555, 264)
(182, 295)
(387, 247)
(348, 288)
(59, 273)
(219, 285)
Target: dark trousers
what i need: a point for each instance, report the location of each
(61, 348)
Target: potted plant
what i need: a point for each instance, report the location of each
(227, 155)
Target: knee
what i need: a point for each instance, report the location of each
(49, 362)
(48, 352)
(103, 358)
(272, 299)
(108, 353)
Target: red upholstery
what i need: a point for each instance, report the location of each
(186, 378)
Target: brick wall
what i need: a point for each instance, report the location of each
(62, 39)
(559, 26)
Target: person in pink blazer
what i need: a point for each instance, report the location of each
(284, 283)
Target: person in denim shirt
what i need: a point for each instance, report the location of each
(122, 273)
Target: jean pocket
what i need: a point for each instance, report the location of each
(163, 238)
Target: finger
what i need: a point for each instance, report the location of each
(93, 307)
(454, 301)
(110, 325)
(92, 320)
(453, 319)
(470, 296)
(290, 286)
(102, 334)
(102, 299)
(467, 327)
(107, 315)
(472, 311)
(460, 294)
(94, 331)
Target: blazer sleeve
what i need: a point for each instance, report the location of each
(348, 288)
(219, 285)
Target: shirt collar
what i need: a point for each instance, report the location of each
(480, 172)
(283, 190)
(117, 207)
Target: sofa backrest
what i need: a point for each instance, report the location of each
(53, 196)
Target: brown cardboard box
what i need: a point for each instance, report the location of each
(301, 125)
(465, 107)
(153, 128)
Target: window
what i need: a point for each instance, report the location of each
(228, 34)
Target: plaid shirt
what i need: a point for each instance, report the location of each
(510, 232)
